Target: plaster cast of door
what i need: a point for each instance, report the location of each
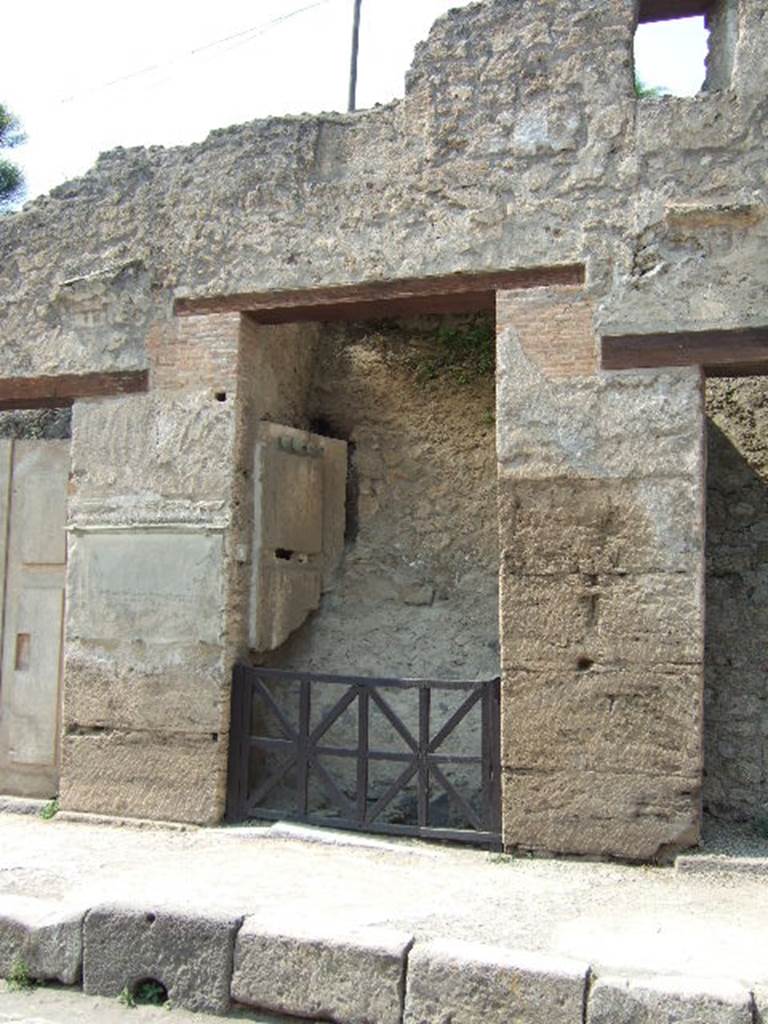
(33, 490)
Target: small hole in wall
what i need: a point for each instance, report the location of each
(583, 664)
(670, 56)
(149, 992)
(284, 554)
(221, 396)
(322, 426)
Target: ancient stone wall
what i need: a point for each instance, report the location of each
(149, 637)
(602, 538)
(416, 593)
(520, 143)
(735, 667)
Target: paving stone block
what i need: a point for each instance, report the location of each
(668, 1000)
(352, 977)
(44, 937)
(462, 982)
(189, 953)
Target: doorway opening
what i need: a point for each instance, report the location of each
(736, 664)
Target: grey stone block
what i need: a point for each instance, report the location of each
(668, 1000)
(352, 977)
(458, 982)
(189, 953)
(45, 937)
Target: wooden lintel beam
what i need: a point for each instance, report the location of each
(63, 389)
(441, 294)
(379, 309)
(669, 10)
(730, 352)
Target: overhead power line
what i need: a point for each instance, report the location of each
(240, 38)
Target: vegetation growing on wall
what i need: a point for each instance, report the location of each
(460, 350)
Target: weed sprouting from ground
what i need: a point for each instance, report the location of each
(500, 858)
(126, 999)
(50, 810)
(19, 979)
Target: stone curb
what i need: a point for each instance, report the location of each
(617, 999)
(352, 977)
(719, 864)
(464, 981)
(21, 805)
(33, 807)
(189, 953)
(368, 975)
(141, 824)
(45, 937)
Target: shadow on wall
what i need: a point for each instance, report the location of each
(736, 655)
(34, 424)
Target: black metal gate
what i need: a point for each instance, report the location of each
(333, 750)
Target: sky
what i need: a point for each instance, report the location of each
(88, 75)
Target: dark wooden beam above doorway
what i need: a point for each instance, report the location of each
(668, 10)
(62, 390)
(448, 293)
(734, 352)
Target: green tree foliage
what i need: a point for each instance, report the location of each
(11, 178)
(643, 91)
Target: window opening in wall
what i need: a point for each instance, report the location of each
(671, 56)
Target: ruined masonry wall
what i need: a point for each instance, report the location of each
(29, 424)
(735, 667)
(519, 143)
(601, 594)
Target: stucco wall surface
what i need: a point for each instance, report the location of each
(147, 644)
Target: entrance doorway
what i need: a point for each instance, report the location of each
(33, 492)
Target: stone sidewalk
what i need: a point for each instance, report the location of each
(359, 930)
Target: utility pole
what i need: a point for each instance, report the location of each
(353, 63)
